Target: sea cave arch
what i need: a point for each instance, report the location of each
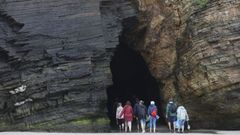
(131, 79)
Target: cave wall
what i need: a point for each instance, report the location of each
(60, 51)
(192, 47)
(57, 50)
(209, 65)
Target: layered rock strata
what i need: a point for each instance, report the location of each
(192, 47)
(54, 62)
(55, 59)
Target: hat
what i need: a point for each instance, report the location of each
(152, 102)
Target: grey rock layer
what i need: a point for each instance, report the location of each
(61, 51)
(192, 47)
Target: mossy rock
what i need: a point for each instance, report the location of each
(91, 121)
(200, 3)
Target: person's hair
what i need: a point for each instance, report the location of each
(119, 104)
(137, 100)
(128, 103)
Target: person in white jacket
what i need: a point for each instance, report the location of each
(182, 117)
(120, 119)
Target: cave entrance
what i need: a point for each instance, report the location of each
(131, 79)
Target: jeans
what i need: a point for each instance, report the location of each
(143, 121)
(143, 124)
(181, 123)
(152, 122)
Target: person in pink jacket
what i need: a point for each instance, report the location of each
(127, 112)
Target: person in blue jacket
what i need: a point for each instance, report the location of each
(152, 113)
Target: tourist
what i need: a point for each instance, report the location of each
(136, 111)
(182, 117)
(114, 108)
(120, 119)
(152, 113)
(142, 114)
(171, 115)
(128, 116)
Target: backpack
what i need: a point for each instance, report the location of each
(172, 108)
(154, 112)
(142, 111)
(136, 109)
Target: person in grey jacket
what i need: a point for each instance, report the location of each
(171, 115)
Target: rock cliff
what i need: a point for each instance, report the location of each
(55, 59)
(57, 50)
(192, 47)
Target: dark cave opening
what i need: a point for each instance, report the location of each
(130, 74)
(131, 79)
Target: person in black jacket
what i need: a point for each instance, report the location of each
(142, 114)
(135, 111)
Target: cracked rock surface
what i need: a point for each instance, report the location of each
(192, 47)
(57, 49)
(55, 59)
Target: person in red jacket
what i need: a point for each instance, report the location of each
(128, 116)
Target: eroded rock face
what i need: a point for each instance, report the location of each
(192, 47)
(209, 65)
(55, 58)
(57, 50)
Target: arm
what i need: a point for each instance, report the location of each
(132, 111)
(122, 112)
(178, 113)
(135, 110)
(187, 117)
(145, 113)
(148, 111)
(167, 111)
(117, 112)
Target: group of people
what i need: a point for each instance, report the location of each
(176, 116)
(125, 115)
